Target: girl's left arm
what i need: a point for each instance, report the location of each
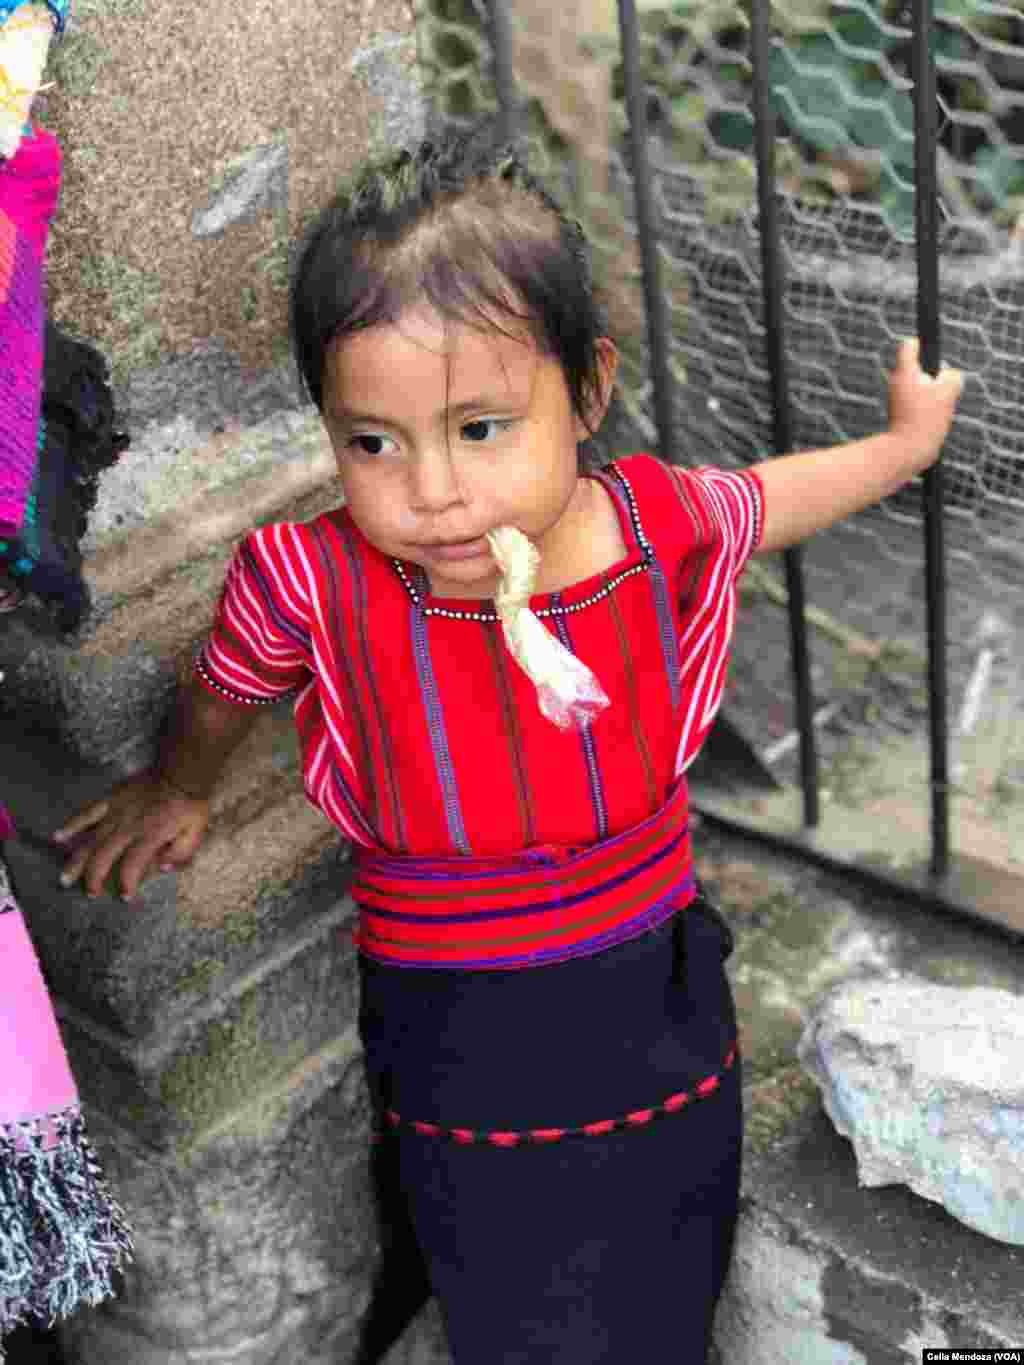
(805, 493)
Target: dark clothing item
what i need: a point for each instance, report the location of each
(583, 1249)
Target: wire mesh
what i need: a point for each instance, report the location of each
(840, 82)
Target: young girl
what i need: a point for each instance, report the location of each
(549, 1032)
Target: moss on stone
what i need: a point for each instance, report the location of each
(117, 9)
(134, 295)
(239, 928)
(768, 908)
(204, 971)
(904, 656)
(770, 1048)
(852, 773)
(947, 969)
(133, 1113)
(880, 860)
(773, 1105)
(275, 261)
(222, 1073)
(76, 62)
(248, 303)
(850, 672)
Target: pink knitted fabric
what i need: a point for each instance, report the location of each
(7, 830)
(29, 186)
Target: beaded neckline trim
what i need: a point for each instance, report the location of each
(645, 547)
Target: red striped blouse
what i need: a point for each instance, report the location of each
(420, 735)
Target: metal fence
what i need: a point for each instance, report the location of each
(776, 193)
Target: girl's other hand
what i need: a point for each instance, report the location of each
(921, 406)
(142, 821)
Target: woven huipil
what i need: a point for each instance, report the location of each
(422, 740)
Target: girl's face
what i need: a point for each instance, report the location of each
(443, 432)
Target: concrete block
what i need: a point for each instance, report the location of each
(926, 1082)
(271, 865)
(154, 105)
(255, 1246)
(192, 1071)
(177, 1006)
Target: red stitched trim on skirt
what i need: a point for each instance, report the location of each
(637, 1118)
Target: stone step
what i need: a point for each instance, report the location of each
(192, 1070)
(257, 1244)
(828, 1273)
(270, 866)
(176, 1006)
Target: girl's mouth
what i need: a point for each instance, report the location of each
(466, 549)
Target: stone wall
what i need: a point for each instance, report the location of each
(198, 140)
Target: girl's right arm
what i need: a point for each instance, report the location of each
(160, 815)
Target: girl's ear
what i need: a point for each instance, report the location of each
(598, 400)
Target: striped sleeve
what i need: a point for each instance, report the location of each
(259, 646)
(724, 510)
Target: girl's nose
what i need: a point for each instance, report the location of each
(433, 482)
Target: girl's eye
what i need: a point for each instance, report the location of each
(484, 428)
(369, 443)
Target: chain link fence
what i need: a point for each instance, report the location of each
(840, 82)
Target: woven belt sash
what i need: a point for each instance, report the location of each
(544, 905)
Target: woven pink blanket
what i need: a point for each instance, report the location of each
(61, 1233)
(29, 187)
(37, 1080)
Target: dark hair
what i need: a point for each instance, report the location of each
(462, 226)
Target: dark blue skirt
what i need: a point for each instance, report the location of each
(610, 1246)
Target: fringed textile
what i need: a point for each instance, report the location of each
(62, 1235)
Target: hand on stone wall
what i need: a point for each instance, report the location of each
(142, 822)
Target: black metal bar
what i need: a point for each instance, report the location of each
(997, 910)
(655, 305)
(775, 338)
(504, 73)
(929, 332)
